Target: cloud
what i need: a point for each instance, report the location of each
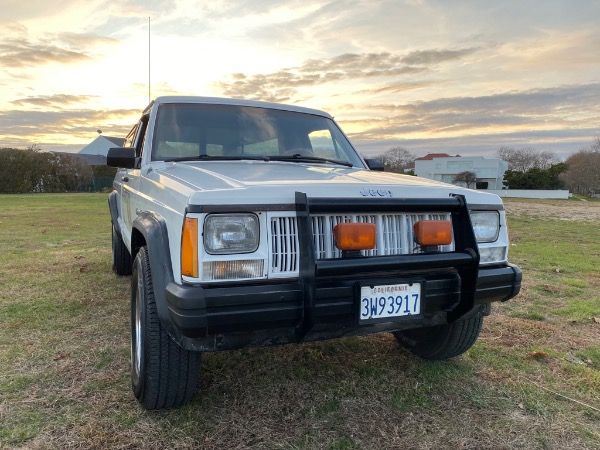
(54, 126)
(571, 106)
(84, 40)
(562, 118)
(283, 85)
(31, 9)
(244, 8)
(561, 142)
(394, 89)
(21, 53)
(57, 100)
(432, 57)
(351, 62)
(137, 7)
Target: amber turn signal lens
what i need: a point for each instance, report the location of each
(189, 248)
(433, 232)
(354, 236)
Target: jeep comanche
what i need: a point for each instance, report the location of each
(248, 224)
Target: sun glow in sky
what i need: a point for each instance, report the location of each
(429, 75)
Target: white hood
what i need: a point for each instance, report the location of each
(234, 182)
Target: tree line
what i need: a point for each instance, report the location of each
(583, 175)
(34, 171)
(528, 168)
(531, 169)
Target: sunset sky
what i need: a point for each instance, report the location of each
(432, 76)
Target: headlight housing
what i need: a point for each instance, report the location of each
(225, 234)
(486, 225)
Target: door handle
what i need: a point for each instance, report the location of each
(125, 179)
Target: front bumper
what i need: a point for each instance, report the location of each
(323, 302)
(221, 318)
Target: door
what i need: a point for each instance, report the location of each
(130, 179)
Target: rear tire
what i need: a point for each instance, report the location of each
(163, 374)
(443, 342)
(121, 258)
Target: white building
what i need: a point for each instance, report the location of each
(443, 167)
(101, 145)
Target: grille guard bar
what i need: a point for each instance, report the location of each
(464, 259)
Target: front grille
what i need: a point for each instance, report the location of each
(284, 245)
(394, 237)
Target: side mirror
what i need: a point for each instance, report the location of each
(123, 157)
(375, 164)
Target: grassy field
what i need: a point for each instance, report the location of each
(531, 381)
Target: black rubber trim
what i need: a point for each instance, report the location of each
(477, 207)
(201, 312)
(371, 264)
(154, 229)
(113, 206)
(198, 209)
(498, 284)
(365, 205)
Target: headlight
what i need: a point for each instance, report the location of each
(231, 233)
(486, 225)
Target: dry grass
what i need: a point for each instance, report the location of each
(64, 356)
(554, 209)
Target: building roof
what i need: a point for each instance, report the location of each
(116, 140)
(101, 145)
(431, 156)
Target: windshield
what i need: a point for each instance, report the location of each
(189, 131)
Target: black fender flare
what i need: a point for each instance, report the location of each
(154, 230)
(113, 206)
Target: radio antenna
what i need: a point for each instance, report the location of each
(149, 93)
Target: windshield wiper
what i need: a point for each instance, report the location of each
(217, 158)
(306, 158)
(296, 157)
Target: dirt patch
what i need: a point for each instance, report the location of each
(554, 209)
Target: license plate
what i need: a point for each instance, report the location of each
(390, 300)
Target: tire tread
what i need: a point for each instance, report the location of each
(172, 372)
(122, 263)
(443, 342)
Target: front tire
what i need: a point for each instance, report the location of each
(121, 258)
(442, 342)
(163, 374)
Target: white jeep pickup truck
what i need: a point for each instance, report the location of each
(249, 224)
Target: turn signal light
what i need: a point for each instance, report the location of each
(354, 236)
(430, 233)
(189, 248)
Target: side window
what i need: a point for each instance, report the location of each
(141, 136)
(130, 139)
(323, 144)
